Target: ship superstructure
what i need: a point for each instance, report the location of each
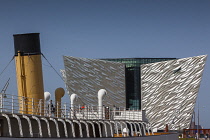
(31, 113)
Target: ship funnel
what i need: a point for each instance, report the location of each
(29, 71)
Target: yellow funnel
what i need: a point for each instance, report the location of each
(29, 73)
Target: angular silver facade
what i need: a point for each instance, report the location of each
(86, 76)
(169, 90)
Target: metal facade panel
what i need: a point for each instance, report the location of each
(86, 76)
(169, 91)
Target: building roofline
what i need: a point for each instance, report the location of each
(139, 58)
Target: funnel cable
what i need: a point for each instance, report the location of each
(7, 66)
(52, 67)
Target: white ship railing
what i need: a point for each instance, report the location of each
(18, 105)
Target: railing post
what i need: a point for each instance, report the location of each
(57, 108)
(119, 110)
(32, 106)
(97, 108)
(88, 112)
(40, 107)
(93, 112)
(114, 111)
(22, 104)
(104, 112)
(133, 114)
(44, 104)
(79, 112)
(12, 104)
(70, 112)
(109, 113)
(49, 108)
(1, 102)
(124, 113)
(64, 110)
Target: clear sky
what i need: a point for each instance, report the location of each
(107, 29)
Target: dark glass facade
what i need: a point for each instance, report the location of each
(133, 76)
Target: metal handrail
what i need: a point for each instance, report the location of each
(18, 104)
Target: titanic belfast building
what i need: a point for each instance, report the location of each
(133, 78)
(166, 88)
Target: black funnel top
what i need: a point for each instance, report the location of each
(27, 44)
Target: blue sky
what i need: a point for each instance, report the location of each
(107, 29)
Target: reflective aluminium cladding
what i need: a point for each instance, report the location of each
(169, 90)
(85, 77)
(132, 76)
